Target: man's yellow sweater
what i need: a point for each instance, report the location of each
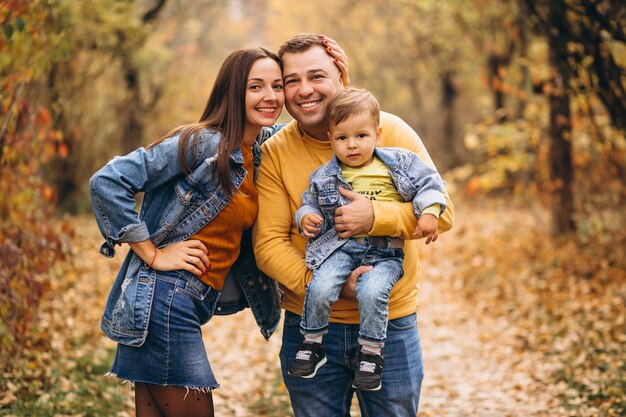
(288, 158)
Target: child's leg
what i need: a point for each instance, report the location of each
(372, 293)
(322, 292)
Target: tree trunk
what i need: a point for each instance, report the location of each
(448, 101)
(134, 125)
(63, 169)
(561, 168)
(522, 17)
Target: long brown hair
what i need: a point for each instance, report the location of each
(225, 112)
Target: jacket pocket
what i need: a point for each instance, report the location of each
(187, 195)
(132, 310)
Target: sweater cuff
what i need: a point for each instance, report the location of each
(435, 210)
(385, 219)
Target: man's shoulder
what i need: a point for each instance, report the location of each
(390, 119)
(396, 132)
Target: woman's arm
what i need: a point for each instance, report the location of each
(189, 255)
(113, 188)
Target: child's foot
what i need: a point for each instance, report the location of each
(309, 358)
(368, 377)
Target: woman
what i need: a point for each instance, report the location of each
(190, 245)
(199, 199)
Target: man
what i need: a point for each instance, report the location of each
(310, 80)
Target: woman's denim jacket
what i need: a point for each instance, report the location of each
(175, 206)
(414, 180)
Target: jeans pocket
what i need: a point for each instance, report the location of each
(193, 287)
(291, 319)
(190, 304)
(403, 323)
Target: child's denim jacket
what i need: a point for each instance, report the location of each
(175, 206)
(414, 180)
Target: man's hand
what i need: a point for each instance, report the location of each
(348, 291)
(427, 227)
(310, 224)
(356, 218)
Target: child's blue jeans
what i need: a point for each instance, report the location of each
(372, 289)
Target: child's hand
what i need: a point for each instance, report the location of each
(310, 224)
(427, 227)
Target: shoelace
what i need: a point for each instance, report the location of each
(304, 355)
(367, 367)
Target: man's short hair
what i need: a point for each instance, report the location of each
(300, 43)
(350, 102)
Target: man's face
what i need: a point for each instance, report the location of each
(311, 79)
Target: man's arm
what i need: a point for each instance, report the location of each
(275, 254)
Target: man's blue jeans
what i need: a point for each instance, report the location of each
(372, 289)
(329, 393)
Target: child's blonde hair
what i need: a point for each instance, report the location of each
(349, 102)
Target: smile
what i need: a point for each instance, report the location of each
(309, 104)
(266, 110)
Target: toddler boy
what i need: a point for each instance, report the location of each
(387, 174)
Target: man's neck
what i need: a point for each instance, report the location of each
(315, 133)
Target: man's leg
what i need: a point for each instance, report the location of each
(402, 374)
(330, 392)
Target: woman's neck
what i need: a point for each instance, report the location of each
(249, 135)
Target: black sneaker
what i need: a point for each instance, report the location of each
(368, 376)
(309, 358)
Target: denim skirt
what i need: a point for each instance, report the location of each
(173, 353)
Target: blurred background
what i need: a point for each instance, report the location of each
(521, 104)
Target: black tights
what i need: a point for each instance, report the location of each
(169, 401)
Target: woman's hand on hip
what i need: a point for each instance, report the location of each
(190, 255)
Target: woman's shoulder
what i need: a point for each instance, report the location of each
(278, 136)
(268, 132)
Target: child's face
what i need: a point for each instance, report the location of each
(354, 140)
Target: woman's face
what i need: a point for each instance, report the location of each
(264, 95)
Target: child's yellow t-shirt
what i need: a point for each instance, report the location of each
(373, 181)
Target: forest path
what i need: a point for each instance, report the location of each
(471, 365)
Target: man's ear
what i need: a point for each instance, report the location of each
(379, 134)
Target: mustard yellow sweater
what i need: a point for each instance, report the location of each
(288, 158)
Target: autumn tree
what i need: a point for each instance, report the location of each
(582, 37)
(98, 34)
(30, 243)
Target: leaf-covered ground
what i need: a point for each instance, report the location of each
(493, 345)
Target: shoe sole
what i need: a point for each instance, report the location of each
(367, 389)
(312, 374)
